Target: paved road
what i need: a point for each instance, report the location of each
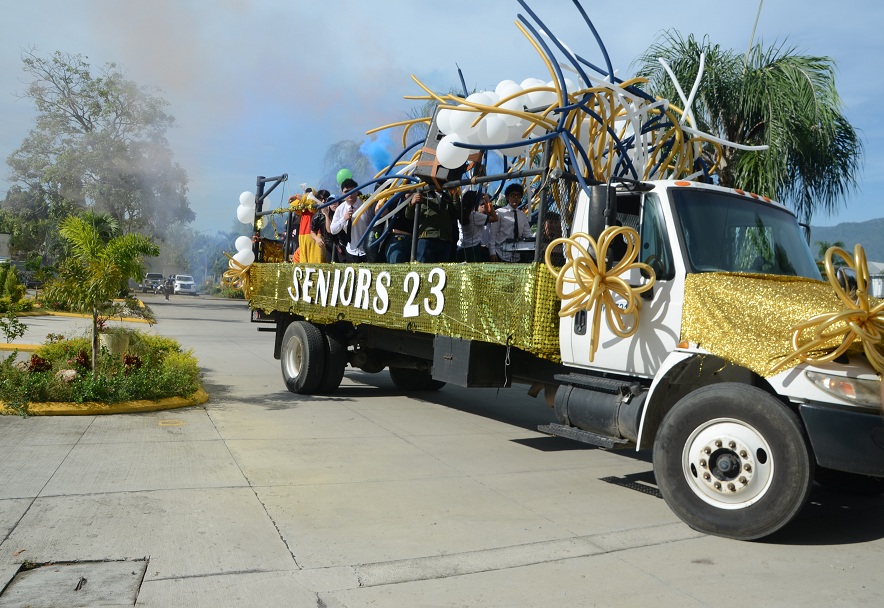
(368, 498)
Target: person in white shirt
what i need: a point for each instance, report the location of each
(342, 221)
(511, 227)
(476, 214)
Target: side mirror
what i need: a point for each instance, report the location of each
(846, 280)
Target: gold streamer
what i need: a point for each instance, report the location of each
(859, 319)
(237, 276)
(595, 286)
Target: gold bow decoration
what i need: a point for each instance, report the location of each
(585, 282)
(861, 318)
(303, 203)
(237, 276)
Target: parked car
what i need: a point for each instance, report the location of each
(184, 284)
(151, 281)
(30, 281)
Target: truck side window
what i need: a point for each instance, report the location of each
(654, 244)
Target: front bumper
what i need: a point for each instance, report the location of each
(845, 440)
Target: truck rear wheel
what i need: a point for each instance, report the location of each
(407, 379)
(335, 362)
(732, 460)
(302, 355)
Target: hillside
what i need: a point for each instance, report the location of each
(869, 234)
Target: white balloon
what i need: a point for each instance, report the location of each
(247, 199)
(245, 257)
(493, 97)
(502, 85)
(460, 121)
(443, 121)
(480, 98)
(530, 83)
(449, 155)
(246, 215)
(516, 131)
(243, 242)
(544, 99)
(514, 151)
(474, 134)
(515, 103)
(493, 130)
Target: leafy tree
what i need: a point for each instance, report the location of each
(771, 96)
(93, 274)
(31, 219)
(344, 154)
(100, 141)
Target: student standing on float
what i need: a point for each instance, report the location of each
(343, 221)
(510, 228)
(476, 213)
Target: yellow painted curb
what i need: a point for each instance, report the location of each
(90, 408)
(54, 313)
(29, 348)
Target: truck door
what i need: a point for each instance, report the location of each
(660, 316)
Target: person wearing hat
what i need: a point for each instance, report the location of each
(511, 227)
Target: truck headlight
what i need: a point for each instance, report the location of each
(854, 390)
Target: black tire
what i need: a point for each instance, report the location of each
(335, 362)
(408, 379)
(849, 483)
(750, 484)
(302, 355)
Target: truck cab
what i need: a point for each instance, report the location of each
(736, 449)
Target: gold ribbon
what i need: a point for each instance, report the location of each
(238, 275)
(585, 283)
(858, 319)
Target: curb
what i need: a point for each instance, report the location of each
(29, 348)
(91, 408)
(53, 313)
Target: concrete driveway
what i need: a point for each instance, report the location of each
(369, 498)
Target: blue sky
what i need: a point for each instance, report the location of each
(265, 86)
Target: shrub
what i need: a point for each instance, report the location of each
(155, 367)
(6, 304)
(38, 364)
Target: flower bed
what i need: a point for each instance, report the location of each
(153, 367)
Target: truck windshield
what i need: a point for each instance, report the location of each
(727, 232)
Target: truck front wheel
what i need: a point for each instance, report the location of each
(732, 460)
(302, 355)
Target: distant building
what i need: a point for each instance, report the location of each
(876, 277)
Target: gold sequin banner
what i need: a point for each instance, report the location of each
(749, 319)
(507, 304)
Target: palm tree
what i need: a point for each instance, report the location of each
(92, 275)
(771, 97)
(823, 246)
